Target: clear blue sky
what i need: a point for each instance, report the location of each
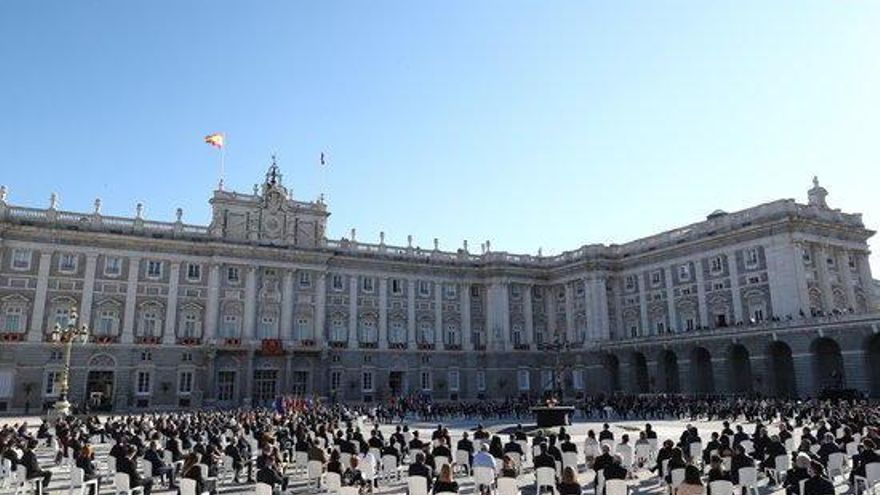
(533, 124)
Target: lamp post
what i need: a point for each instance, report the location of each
(558, 347)
(66, 336)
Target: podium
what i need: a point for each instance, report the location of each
(548, 417)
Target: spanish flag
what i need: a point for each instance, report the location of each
(215, 140)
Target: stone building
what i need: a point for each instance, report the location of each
(776, 299)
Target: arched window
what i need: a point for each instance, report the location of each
(426, 332)
(368, 330)
(338, 329)
(397, 332)
(150, 321)
(303, 329)
(13, 313)
(450, 334)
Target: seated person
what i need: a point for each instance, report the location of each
(569, 484)
(271, 475)
(445, 482)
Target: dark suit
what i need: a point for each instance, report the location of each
(127, 465)
(421, 470)
(30, 463)
(271, 477)
(818, 486)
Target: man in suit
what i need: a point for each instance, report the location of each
(543, 459)
(514, 447)
(418, 468)
(154, 457)
(32, 465)
(603, 460)
(739, 460)
(605, 434)
(866, 456)
(817, 484)
(128, 464)
(615, 471)
(271, 475)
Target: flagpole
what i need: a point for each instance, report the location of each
(223, 161)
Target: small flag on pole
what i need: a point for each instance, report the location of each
(215, 140)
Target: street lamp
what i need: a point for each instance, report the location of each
(67, 335)
(559, 346)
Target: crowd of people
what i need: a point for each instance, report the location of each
(802, 446)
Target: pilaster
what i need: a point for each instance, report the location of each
(169, 335)
(438, 313)
(320, 309)
(801, 277)
(864, 267)
(466, 342)
(643, 307)
(821, 261)
(383, 313)
(590, 308)
(212, 305)
(411, 313)
(248, 391)
(250, 305)
(670, 301)
(38, 317)
(88, 293)
(734, 287)
(352, 311)
(846, 278)
(134, 266)
(604, 329)
(570, 331)
(529, 317)
(287, 301)
(701, 294)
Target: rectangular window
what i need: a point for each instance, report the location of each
(305, 279)
(548, 379)
(233, 275)
(225, 386)
(684, 272)
(267, 327)
(21, 259)
(67, 263)
(336, 282)
(752, 257)
(335, 380)
(185, 383)
(52, 384)
(424, 288)
(230, 326)
(193, 272)
(717, 264)
(718, 286)
(142, 383)
(396, 287)
(303, 329)
(759, 315)
(426, 381)
(154, 269)
(112, 266)
(475, 291)
(630, 282)
(451, 290)
(689, 324)
(367, 385)
(107, 323)
(661, 327)
(367, 284)
(453, 379)
(851, 261)
(577, 379)
(12, 320)
(523, 380)
(806, 255)
(754, 280)
(655, 278)
(481, 381)
(191, 325)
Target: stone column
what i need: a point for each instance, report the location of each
(590, 309)
(846, 278)
(670, 301)
(287, 301)
(643, 307)
(212, 306)
(720, 373)
(250, 306)
(803, 370)
(438, 314)
(549, 314)
(820, 258)
(619, 297)
(466, 342)
(169, 335)
(604, 330)
(134, 266)
(353, 312)
(854, 370)
(529, 317)
(210, 379)
(734, 287)
(383, 312)
(88, 293)
(248, 391)
(411, 313)
(288, 374)
(864, 267)
(570, 331)
(497, 317)
(801, 278)
(702, 304)
(320, 309)
(39, 312)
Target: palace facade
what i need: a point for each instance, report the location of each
(776, 299)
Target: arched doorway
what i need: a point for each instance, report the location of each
(667, 367)
(639, 364)
(782, 367)
(827, 365)
(612, 368)
(872, 363)
(740, 369)
(701, 367)
(101, 382)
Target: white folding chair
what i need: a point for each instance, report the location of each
(515, 458)
(77, 480)
(123, 485)
(484, 476)
(389, 467)
(349, 490)
(870, 479)
(676, 478)
(570, 459)
(23, 485)
(625, 452)
(748, 446)
(835, 464)
(524, 446)
(545, 477)
(695, 452)
(721, 487)
(417, 485)
(852, 449)
(439, 461)
(463, 459)
(263, 489)
(617, 487)
(332, 482)
(313, 473)
(748, 478)
(188, 487)
(508, 486)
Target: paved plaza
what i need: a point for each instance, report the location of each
(642, 483)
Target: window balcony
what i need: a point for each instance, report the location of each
(424, 346)
(452, 347)
(189, 341)
(105, 339)
(521, 347)
(338, 344)
(398, 345)
(479, 347)
(368, 345)
(147, 340)
(272, 347)
(230, 342)
(13, 336)
(307, 343)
